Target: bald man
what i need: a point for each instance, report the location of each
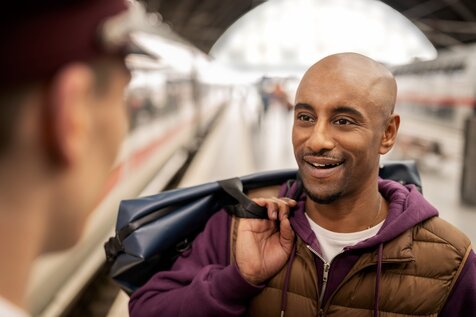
(355, 245)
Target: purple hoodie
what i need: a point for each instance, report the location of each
(202, 282)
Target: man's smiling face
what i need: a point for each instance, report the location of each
(342, 108)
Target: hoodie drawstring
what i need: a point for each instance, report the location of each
(284, 291)
(377, 280)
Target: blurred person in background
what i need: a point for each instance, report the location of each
(351, 245)
(264, 90)
(62, 122)
(280, 97)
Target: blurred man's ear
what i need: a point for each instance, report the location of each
(67, 114)
(390, 134)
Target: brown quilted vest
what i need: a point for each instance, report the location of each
(419, 268)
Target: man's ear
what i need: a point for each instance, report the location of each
(390, 135)
(66, 114)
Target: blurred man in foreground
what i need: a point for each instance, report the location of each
(62, 121)
(354, 245)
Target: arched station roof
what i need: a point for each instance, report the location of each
(445, 22)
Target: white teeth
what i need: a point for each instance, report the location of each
(325, 165)
(318, 165)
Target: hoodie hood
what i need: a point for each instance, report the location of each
(407, 208)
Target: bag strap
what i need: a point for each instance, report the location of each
(114, 244)
(249, 209)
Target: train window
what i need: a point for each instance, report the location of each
(449, 66)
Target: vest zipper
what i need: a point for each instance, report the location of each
(325, 274)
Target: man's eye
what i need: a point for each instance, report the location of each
(304, 117)
(342, 122)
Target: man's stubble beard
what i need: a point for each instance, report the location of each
(320, 199)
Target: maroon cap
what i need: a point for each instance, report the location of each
(37, 40)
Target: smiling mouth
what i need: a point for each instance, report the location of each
(325, 166)
(317, 165)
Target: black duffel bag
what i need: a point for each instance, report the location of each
(152, 231)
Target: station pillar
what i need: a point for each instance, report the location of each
(468, 179)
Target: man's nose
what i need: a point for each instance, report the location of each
(320, 138)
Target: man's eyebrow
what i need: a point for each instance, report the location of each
(303, 106)
(348, 110)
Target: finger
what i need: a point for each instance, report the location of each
(290, 202)
(273, 209)
(286, 236)
(283, 209)
(260, 201)
(277, 207)
(271, 205)
(263, 201)
(284, 206)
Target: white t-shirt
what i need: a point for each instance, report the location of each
(332, 243)
(7, 309)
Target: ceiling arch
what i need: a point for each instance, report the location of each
(445, 22)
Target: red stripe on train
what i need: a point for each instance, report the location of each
(138, 157)
(445, 101)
